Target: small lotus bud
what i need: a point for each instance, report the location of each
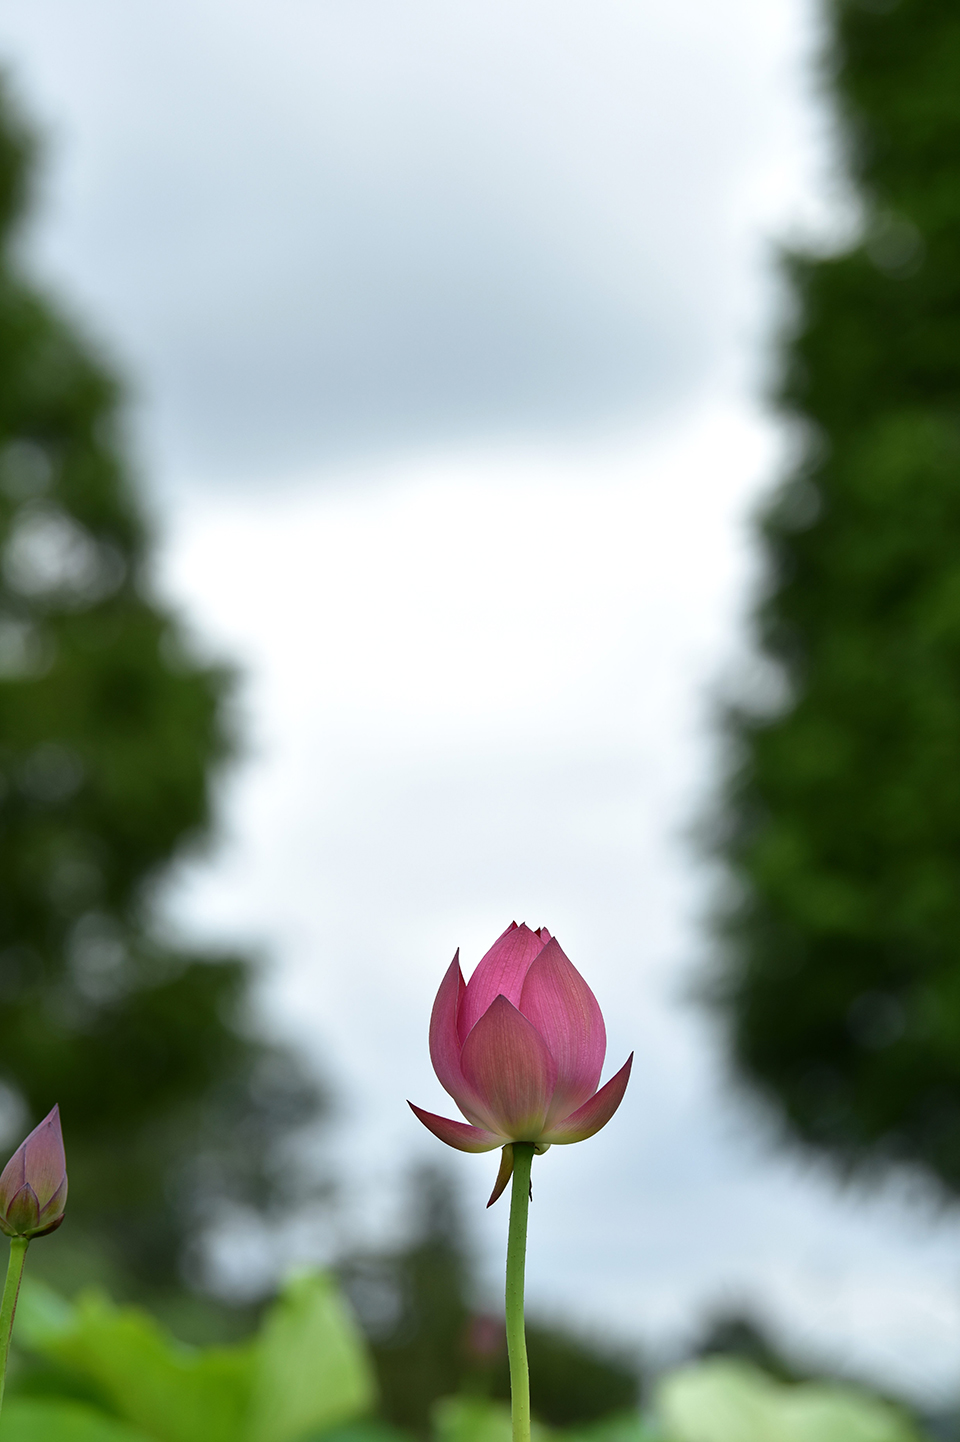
(485, 1338)
(33, 1184)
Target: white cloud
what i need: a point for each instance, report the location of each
(324, 228)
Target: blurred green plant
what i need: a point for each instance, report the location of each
(305, 1373)
(574, 1379)
(723, 1400)
(111, 733)
(102, 1373)
(728, 1400)
(92, 1370)
(840, 978)
(734, 1332)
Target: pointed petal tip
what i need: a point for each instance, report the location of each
(45, 1165)
(500, 970)
(460, 1135)
(588, 1119)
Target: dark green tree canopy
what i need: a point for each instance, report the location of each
(110, 733)
(840, 974)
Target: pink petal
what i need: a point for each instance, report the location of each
(12, 1178)
(45, 1165)
(457, 1134)
(444, 1041)
(499, 973)
(503, 1175)
(557, 1000)
(445, 1045)
(23, 1213)
(594, 1114)
(508, 1064)
(38, 1160)
(56, 1203)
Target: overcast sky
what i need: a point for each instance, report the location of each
(319, 227)
(449, 327)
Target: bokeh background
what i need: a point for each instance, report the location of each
(447, 339)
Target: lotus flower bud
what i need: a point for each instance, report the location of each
(520, 1049)
(33, 1184)
(484, 1338)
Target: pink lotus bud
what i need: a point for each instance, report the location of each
(485, 1338)
(520, 1049)
(33, 1184)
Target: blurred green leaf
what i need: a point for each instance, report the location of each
(475, 1419)
(174, 1393)
(471, 1419)
(312, 1368)
(367, 1430)
(730, 1401)
(306, 1372)
(622, 1427)
(31, 1420)
(42, 1316)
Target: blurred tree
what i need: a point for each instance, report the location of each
(737, 1333)
(573, 1378)
(109, 735)
(841, 978)
(416, 1304)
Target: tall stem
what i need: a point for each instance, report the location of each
(516, 1259)
(11, 1291)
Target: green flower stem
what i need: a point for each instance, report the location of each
(11, 1291)
(516, 1259)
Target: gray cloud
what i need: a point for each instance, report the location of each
(317, 228)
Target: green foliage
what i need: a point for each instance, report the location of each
(477, 1419)
(32, 1420)
(179, 1395)
(731, 1401)
(306, 1377)
(312, 1372)
(110, 735)
(619, 1427)
(367, 1429)
(572, 1379)
(736, 1334)
(474, 1419)
(842, 828)
(305, 1372)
